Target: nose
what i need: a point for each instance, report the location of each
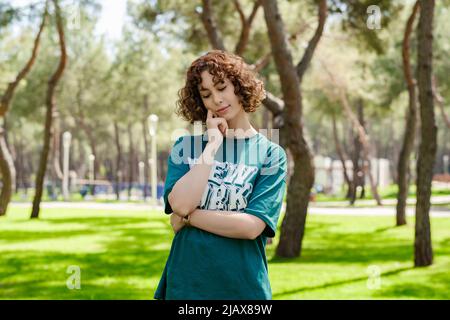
(217, 99)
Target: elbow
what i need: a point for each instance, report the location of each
(252, 233)
(257, 227)
(251, 236)
(177, 207)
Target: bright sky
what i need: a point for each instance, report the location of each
(111, 19)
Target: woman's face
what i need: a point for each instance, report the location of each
(220, 97)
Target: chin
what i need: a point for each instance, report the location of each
(229, 117)
(231, 114)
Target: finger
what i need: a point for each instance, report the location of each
(223, 126)
(224, 123)
(209, 115)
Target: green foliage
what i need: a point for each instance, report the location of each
(7, 14)
(354, 19)
(108, 81)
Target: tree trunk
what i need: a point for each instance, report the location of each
(365, 162)
(440, 102)
(8, 173)
(118, 173)
(266, 120)
(49, 114)
(301, 182)
(423, 252)
(130, 160)
(409, 136)
(277, 107)
(362, 135)
(80, 163)
(56, 154)
(19, 164)
(357, 174)
(291, 133)
(96, 161)
(346, 146)
(146, 151)
(92, 144)
(7, 170)
(146, 158)
(210, 25)
(341, 154)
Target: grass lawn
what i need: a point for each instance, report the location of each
(121, 256)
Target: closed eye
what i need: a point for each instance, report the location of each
(221, 89)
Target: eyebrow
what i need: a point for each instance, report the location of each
(205, 89)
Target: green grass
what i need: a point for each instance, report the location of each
(122, 254)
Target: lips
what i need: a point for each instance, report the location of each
(223, 109)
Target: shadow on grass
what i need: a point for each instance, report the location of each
(127, 265)
(435, 287)
(393, 227)
(130, 252)
(337, 283)
(83, 226)
(355, 247)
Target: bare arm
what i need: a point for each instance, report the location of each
(228, 224)
(187, 192)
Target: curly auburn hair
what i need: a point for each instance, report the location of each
(221, 64)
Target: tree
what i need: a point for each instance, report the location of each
(300, 184)
(410, 128)
(50, 102)
(290, 243)
(7, 168)
(362, 135)
(423, 252)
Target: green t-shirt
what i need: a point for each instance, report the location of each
(249, 175)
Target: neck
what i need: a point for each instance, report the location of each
(241, 126)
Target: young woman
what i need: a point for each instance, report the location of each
(224, 188)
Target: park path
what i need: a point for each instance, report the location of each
(436, 200)
(328, 208)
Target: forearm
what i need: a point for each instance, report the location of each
(193, 183)
(228, 224)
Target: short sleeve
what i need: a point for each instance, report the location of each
(266, 199)
(177, 167)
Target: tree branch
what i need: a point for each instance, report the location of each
(307, 56)
(211, 28)
(273, 103)
(246, 25)
(407, 70)
(7, 96)
(261, 63)
(440, 102)
(240, 11)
